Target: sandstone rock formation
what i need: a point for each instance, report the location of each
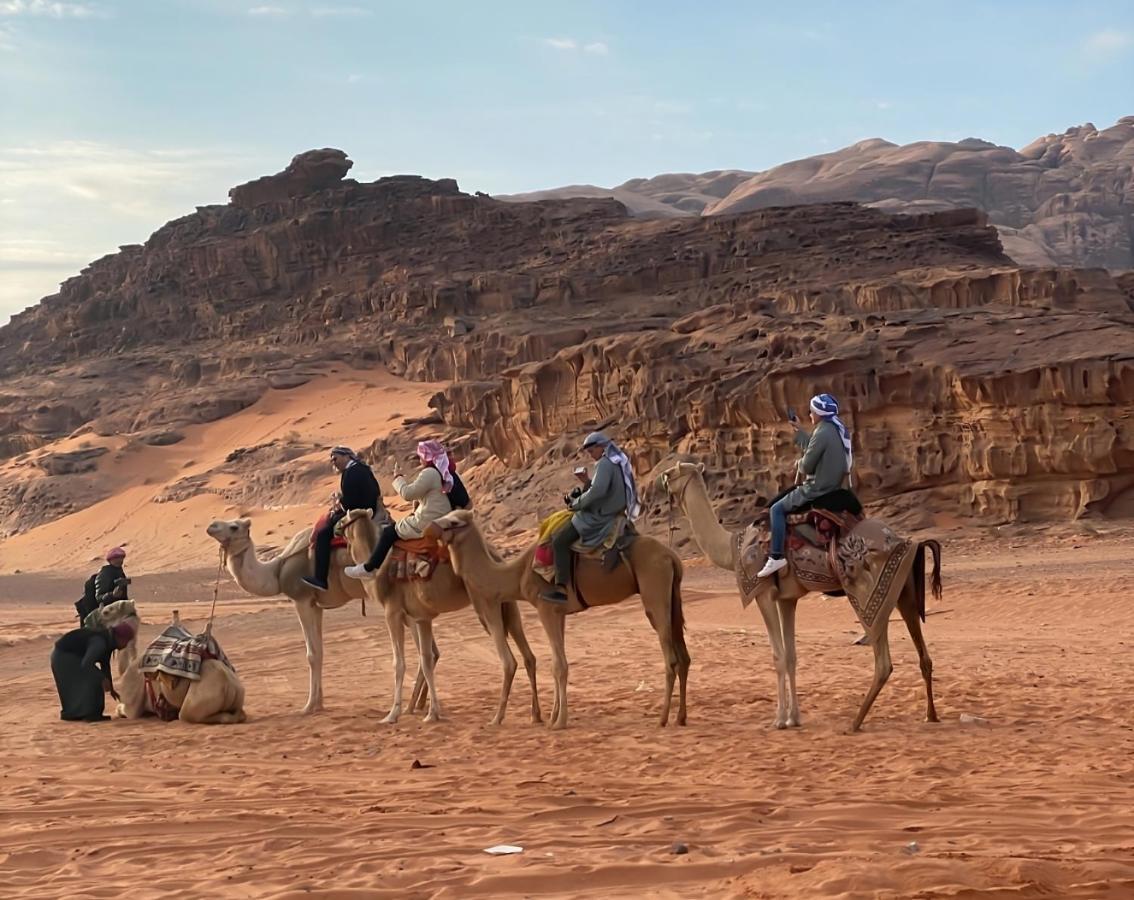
(1065, 199)
(976, 388)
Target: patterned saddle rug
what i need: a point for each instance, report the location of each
(177, 652)
(610, 551)
(416, 560)
(831, 552)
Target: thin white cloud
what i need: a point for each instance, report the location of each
(267, 11)
(355, 12)
(54, 9)
(1109, 42)
(571, 45)
(883, 104)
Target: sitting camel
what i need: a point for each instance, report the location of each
(422, 601)
(686, 486)
(283, 574)
(216, 698)
(654, 572)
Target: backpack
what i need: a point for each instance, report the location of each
(458, 495)
(88, 603)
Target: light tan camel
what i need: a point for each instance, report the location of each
(654, 573)
(216, 698)
(686, 487)
(283, 574)
(423, 601)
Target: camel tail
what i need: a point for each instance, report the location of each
(676, 613)
(919, 574)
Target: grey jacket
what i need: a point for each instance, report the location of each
(600, 505)
(824, 463)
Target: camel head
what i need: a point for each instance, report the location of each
(359, 538)
(452, 530)
(234, 535)
(676, 478)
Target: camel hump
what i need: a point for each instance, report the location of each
(298, 544)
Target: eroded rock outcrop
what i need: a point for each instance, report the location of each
(976, 388)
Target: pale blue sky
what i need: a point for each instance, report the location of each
(117, 115)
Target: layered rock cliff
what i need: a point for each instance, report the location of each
(975, 388)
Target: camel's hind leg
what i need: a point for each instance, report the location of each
(908, 607)
(554, 624)
(658, 596)
(216, 699)
(419, 698)
(880, 640)
(423, 637)
(311, 621)
(515, 626)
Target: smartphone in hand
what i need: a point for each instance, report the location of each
(791, 416)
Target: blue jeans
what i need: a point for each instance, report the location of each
(778, 515)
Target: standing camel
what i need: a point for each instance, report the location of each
(283, 574)
(686, 487)
(654, 572)
(422, 602)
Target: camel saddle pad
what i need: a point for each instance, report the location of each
(870, 563)
(417, 560)
(177, 652)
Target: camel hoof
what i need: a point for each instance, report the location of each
(495, 722)
(779, 725)
(389, 719)
(556, 726)
(681, 721)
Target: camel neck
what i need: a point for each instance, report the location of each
(715, 541)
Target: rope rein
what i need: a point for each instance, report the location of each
(216, 590)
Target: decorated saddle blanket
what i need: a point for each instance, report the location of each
(337, 539)
(416, 560)
(609, 551)
(177, 652)
(835, 552)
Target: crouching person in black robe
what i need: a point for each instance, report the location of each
(80, 663)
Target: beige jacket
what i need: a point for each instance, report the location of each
(429, 502)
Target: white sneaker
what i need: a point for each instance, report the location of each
(358, 572)
(771, 567)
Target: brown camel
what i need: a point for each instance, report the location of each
(686, 487)
(283, 574)
(421, 602)
(654, 573)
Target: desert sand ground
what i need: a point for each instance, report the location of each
(1035, 801)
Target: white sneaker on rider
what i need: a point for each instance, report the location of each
(358, 572)
(771, 567)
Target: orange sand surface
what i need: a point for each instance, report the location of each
(1038, 801)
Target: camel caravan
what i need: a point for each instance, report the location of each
(813, 537)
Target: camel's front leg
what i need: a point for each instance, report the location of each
(423, 637)
(771, 614)
(514, 624)
(311, 621)
(492, 617)
(554, 624)
(787, 623)
(880, 641)
(420, 696)
(395, 624)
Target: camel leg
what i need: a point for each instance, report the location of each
(420, 696)
(395, 625)
(787, 624)
(311, 621)
(907, 606)
(880, 640)
(493, 621)
(515, 627)
(423, 636)
(657, 605)
(770, 610)
(554, 623)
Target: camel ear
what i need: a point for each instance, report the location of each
(247, 523)
(701, 468)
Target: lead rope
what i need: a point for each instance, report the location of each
(216, 591)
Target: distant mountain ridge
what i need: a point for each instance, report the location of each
(1064, 199)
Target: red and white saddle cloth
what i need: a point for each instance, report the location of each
(828, 552)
